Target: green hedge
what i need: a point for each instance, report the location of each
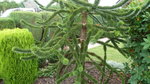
(30, 17)
(13, 70)
(7, 23)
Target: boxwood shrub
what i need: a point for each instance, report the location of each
(13, 70)
(7, 23)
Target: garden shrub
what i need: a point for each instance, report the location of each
(17, 16)
(13, 70)
(33, 18)
(139, 47)
(30, 17)
(6, 23)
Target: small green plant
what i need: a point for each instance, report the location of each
(13, 70)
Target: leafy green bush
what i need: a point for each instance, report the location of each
(6, 23)
(13, 70)
(139, 47)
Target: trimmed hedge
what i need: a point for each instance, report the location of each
(30, 17)
(7, 23)
(13, 70)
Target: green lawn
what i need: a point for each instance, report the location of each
(112, 54)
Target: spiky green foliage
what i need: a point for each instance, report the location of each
(13, 70)
(7, 23)
(83, 22)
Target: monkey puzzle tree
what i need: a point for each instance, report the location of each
(82, 23)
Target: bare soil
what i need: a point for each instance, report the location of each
(113, 79)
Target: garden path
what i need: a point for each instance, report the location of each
(92, 45)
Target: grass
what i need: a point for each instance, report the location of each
(112, 54)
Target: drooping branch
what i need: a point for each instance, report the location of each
(101, 7)
(49, 9)
(40, 5)
(30, 25)
(116, 13)
(146, 5)
(96, 2)
(18, 50)
(51, 3)
(53, 15)
(72, 17)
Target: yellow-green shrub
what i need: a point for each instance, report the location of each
(13, 70)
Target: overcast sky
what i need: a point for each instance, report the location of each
(102, 3)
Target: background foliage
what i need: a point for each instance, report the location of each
(32, 18)
(138, 45)
(7, 5)
(7, 23)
